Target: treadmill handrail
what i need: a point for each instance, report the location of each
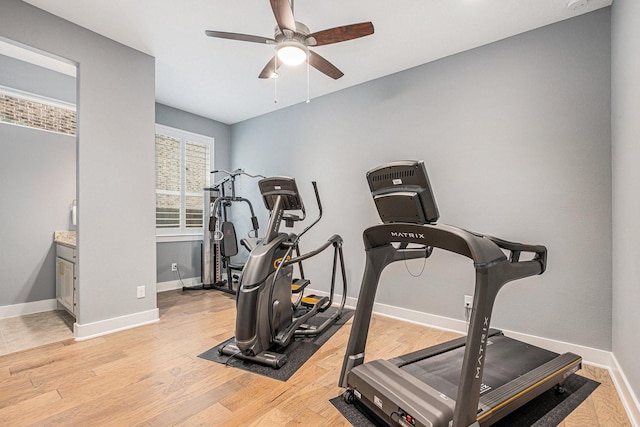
(493, 270)
(482, 249)
(475, 246)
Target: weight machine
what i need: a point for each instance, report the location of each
(219, 242)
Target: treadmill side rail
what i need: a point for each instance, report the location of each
(434, 350)
(502, 401)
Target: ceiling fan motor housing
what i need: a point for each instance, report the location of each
(302, 31)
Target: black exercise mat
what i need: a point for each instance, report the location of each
(547, 410)
(298, 351)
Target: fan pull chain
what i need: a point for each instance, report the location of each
(275, 80)
(308, 100)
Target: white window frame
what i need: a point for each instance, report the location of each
(183, 233)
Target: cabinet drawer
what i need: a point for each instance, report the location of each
(66, 252)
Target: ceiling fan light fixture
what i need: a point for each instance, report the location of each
(292, 53)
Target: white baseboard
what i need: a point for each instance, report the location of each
(177, 284)
(28, 308)
(420, 318)
(590, 355)
(108, 326)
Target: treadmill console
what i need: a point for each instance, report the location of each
(402, 193)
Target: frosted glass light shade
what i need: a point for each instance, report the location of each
(291, 54)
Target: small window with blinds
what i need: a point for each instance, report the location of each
(183, 163)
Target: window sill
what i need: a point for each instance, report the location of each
(168, 238)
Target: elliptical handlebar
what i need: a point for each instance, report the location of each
(315, 189)
(334, 240)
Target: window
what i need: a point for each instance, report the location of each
(183, 162)
(38, 112)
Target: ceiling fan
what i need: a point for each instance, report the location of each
(292, 40)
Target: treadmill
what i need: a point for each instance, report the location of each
(470, 381)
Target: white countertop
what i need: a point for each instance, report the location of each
(67, 238)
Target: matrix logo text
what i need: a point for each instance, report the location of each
(407, 235)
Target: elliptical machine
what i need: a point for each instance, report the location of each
(267, 318)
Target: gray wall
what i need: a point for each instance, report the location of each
(626, 176)
(187, 254)
(31, 78)
(115, 158)
(37, 187)
(516, 139)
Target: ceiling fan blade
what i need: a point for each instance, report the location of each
(284, 15)
(324, 66)
(340, 34)
(269, 70)
(241, 37)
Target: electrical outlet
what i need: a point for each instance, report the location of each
(468, 301)
(140, 291)
(174, 266)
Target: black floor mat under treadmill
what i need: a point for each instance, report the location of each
(547, 410)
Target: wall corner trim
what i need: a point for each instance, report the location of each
(108, 326)
(628, 397)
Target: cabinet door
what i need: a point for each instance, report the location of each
(64, 283)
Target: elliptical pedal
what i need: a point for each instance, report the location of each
(313, 301)
(299, 285)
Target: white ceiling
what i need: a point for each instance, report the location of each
(218, 78)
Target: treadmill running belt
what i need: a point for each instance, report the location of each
(506, 359)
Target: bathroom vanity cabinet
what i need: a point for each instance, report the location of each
(66, 286)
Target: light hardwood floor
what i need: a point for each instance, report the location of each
(151, 376)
